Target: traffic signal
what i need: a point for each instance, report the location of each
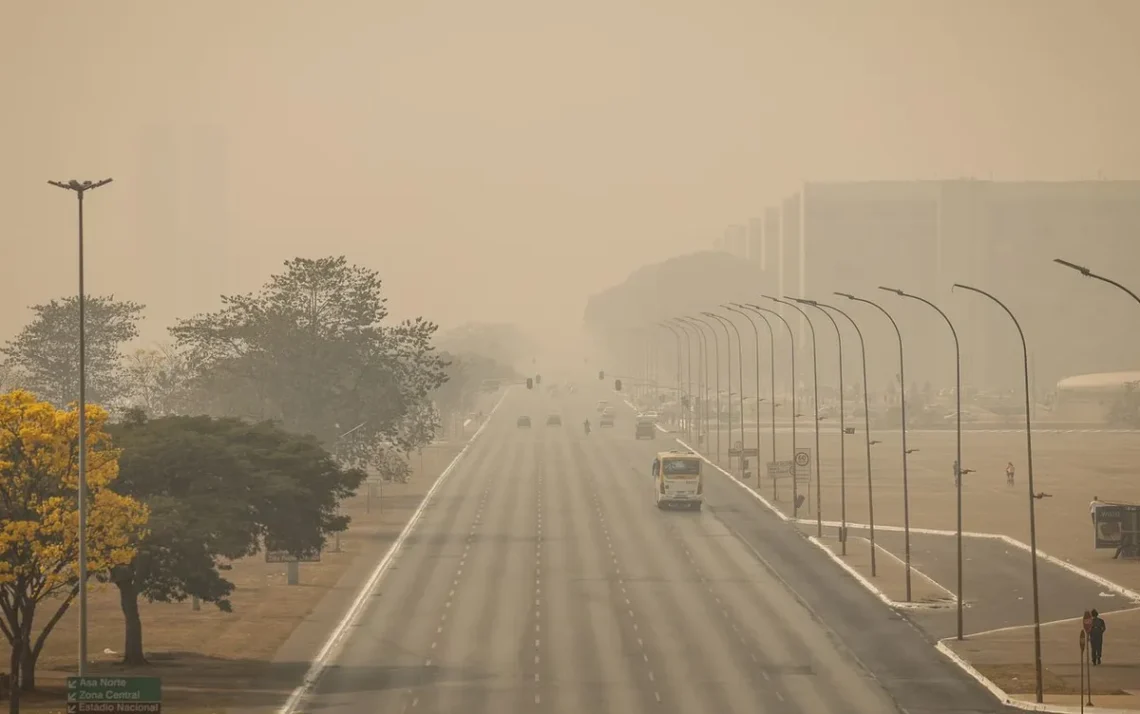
(601, 376)
(538, 379)
(617, 384)
(529, 383)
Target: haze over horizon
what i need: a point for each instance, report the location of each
(500, 161)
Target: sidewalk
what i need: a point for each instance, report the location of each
(997, 585)
(1006, 658)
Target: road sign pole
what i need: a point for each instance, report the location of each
(1082, 655)
(1086, 663)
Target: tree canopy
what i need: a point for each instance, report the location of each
(504, 343)
(465, 375)
(310, 351)
(678, 286)
(46, 351)
(39, 544)
(218, 489)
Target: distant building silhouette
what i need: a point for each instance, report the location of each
(923, 236)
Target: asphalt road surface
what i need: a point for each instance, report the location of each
(543, 578)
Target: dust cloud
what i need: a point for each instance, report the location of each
(504, 160)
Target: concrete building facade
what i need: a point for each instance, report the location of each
(1001, 237)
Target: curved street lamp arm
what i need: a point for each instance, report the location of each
(1090, 274)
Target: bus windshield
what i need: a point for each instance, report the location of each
(681, 467)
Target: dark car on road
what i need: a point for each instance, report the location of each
(554, 420)
(523, 422)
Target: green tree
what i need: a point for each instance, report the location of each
(310, 351)
(465, 375)
(157, 381)
(217, 490)
(501, 342)
(47, 350)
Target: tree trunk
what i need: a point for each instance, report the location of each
(14, 665)
(133, 639)
(27, 671)
(33, 650)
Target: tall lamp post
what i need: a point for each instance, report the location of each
(958, 470)
(716, 384)
(815, 401)
(677, 343)
(684, 389)
(866, 431)
(704, 348)
(1090, 274)
(905, 452)
(81, 188)
(734, 307)
(792, 353)
(687, 403)
(740, 383)
(842, 431)
(1032, 508)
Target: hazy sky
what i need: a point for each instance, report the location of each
(503, 159)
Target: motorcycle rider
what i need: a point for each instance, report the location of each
(587, 426)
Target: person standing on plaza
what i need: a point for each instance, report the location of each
(1009, 474)
(1096, 637)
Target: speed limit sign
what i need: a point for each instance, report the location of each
(803, 458)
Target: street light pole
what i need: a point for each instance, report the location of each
(905, 452)
(726, 323)
(81, 188)
(772, 363)
(702, 429)
(792, 352)
(687, 409)
(677, 346)
(1032, 507)
(1090, 274)
(866, 430)
(958, 470)
(716, 357)
(815, 401)
(842, 431)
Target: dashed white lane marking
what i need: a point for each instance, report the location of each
(621, 585)
(455, 581)
(724, 613)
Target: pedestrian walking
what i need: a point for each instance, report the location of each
(1096, 637)
(1009, 474)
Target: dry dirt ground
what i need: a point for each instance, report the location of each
(209, 660)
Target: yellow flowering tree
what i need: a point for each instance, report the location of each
(39, 519)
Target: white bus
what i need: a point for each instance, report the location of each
(678, 480)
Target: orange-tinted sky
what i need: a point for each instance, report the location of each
(502, 159)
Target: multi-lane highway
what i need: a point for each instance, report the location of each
(543, 578)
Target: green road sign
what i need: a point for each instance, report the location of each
(108, 695)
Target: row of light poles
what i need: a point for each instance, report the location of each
(680, 327)
(749, 311)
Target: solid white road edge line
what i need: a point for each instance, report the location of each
(940, 646)
(336, 638)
